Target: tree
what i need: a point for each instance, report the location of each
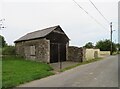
(2, 41)
(9, 50)
(89, 45)
(105, 45)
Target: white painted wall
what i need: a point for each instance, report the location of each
(92, 54)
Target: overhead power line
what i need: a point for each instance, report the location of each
(89, 14)
(98, 11)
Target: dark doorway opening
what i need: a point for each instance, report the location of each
(53, 53)
(57, 52)
(63, 52)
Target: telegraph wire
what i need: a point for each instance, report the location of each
(89, 14)
(98, 11)
(111, 27)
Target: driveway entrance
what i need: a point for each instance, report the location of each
(56, 66)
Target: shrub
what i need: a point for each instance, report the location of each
(9, 50)
(105, 45)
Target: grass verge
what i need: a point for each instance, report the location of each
(116, 53)
(16, 71)
(85, 62)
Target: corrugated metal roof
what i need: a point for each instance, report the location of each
(37, 34)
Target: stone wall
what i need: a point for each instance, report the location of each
(20, 48)
(42, 50)
(75, 54)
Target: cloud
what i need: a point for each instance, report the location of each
(24, 17)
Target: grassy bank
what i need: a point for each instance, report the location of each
(17, 71)
(115, 53)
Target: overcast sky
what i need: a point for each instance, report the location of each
(24, 16)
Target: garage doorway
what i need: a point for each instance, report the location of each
(57, 52)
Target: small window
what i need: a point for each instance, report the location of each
(32, 50)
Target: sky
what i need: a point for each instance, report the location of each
(24, 16)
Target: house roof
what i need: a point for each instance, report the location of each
(37, 34)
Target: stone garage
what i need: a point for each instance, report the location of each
(48, 45)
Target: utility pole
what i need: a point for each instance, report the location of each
(111, 31)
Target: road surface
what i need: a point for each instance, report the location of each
(103, 73)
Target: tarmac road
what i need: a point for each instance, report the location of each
(103, 73)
